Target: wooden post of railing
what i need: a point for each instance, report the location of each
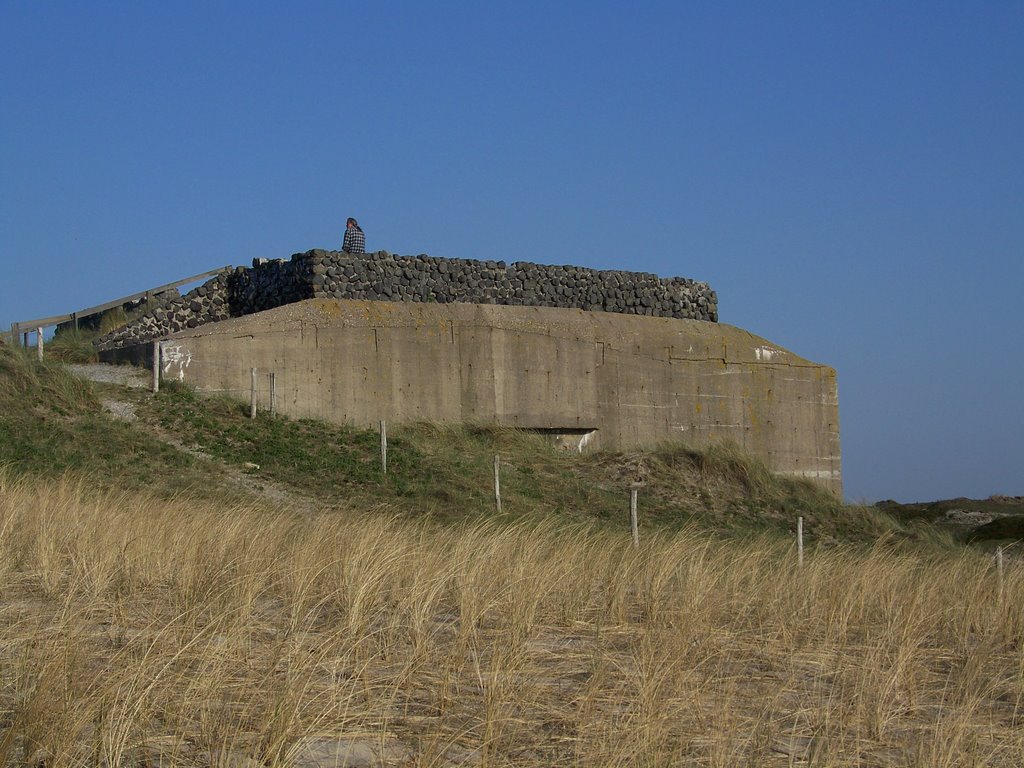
(14, 334)
(252, 395)
(383, 446)
(39, 344)
(273, 393)
(156, 367)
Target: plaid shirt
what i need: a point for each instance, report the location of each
(355, 241)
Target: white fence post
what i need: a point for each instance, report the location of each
(252, 394)
(800, 541)
(156, 367)
(634, 522)
(383, 446)
(273, 393)
(999, 568)
(39, 343)
(497, 482)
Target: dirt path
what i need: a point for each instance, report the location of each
(120, 390)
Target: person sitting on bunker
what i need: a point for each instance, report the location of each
(355, 241)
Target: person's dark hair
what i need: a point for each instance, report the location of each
(353, 222)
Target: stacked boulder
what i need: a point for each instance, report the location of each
(386, 277)
(270, 283)
(206, 304)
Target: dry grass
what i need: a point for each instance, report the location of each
(143, 632)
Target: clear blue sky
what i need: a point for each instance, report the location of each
(848, 176)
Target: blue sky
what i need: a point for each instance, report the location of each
(848, 176)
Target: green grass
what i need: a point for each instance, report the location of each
(446, 472)
(303, 454)
(28, 385)
(54, 423)
(1002, 529)
(72, 346)
(75, 345)
(1006, 526)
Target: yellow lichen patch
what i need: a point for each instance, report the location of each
(329, 308)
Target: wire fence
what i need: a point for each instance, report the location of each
(262, 388)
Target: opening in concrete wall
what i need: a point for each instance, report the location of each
(573, 439)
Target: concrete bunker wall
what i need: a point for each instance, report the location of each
(607, 380)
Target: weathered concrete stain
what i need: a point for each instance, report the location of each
(634, 380)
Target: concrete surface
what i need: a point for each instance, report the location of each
(593, 379)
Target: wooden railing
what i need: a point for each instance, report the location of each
(25, 327)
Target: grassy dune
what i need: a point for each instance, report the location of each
(133, 628)
(52, 422)
(155, 612)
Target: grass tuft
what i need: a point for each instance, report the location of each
(72, 346)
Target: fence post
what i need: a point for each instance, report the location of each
(800, 541)
(252, 394)
(24, 339)
(497, 482)
(634, 522)
(14, 334)
(384, 446)
(39, 344)
(999, 568)
(273, 393)
(156, 367)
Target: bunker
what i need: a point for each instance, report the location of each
(591, 380)
(594, 359)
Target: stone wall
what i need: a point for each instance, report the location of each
(270, 283)
(387, 277)
(208, 303)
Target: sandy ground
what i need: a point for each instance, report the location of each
(125, 375)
